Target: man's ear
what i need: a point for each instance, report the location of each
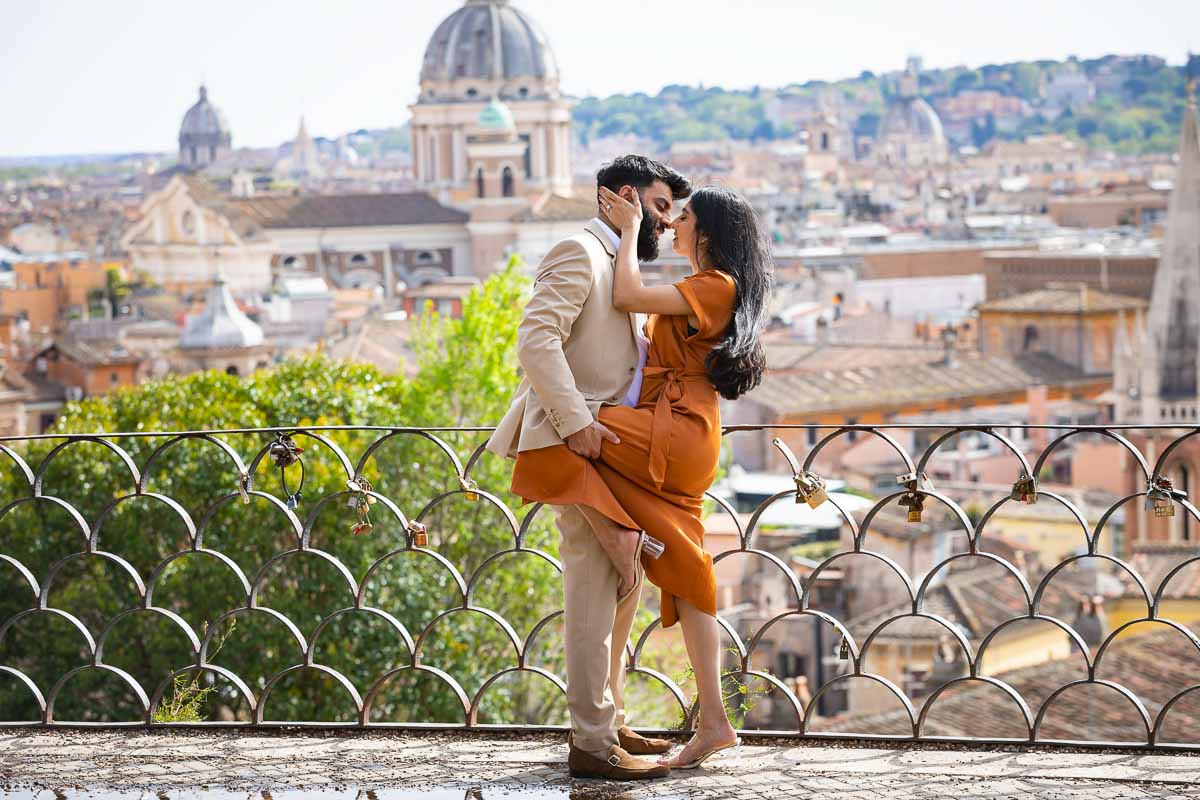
(628, 192)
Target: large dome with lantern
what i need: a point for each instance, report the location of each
(494, 44)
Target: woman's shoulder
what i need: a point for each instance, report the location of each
(712, 281)
(711, 295)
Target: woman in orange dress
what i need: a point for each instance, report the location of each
(653, 472)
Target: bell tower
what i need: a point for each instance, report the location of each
(1160, 371)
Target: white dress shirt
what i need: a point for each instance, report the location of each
(643, 344)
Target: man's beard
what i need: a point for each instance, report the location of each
(647, 241)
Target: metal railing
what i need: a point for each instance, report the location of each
(155, 578)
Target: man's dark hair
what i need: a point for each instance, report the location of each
(639, 172)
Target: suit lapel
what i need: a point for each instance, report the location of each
(594, 228)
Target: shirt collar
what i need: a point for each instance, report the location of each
(612, 236)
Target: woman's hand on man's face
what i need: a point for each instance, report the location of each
(626, 215)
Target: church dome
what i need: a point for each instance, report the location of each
(496, 117)
(204, 119)
(221, 324)
(911, 117)
(488, 40)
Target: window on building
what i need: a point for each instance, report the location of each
(812, 436)
(292, 262)
(1030, 338)
(231, 370)
(427, 257)
(44, 422)
(524, 137)
(506, 182)
(479, 187)
(114, 378)
(359, 260)
(852, 436)
(472, 92)
(523, 91)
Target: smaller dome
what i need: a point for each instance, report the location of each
(911, 116)
(221, 324)
(496, 116)
(204, 118)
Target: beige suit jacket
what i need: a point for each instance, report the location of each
(577, 351)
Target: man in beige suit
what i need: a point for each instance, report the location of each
(578, 353)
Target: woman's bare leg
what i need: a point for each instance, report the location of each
(702, 637)
(618, 542)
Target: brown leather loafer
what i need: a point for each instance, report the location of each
(619, 766)
(636, 744)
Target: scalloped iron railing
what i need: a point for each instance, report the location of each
(237, 577)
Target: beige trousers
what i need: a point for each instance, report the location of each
(597, 629)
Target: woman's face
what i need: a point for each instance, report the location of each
(684, 227)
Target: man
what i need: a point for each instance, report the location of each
(578, 353)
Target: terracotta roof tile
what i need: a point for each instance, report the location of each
(1065, 300)
(349, 210)
(836, 377)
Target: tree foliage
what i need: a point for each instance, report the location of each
(1138, 106)
(465, 373)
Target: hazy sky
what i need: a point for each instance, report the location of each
(117, 75)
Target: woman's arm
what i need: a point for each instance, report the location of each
(629, 294)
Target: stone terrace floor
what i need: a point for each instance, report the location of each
(394, 765)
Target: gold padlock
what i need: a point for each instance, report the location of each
(810, 488)
(914, 503)
(417, 531)
(1163, 508)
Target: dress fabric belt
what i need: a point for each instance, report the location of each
(670, 391)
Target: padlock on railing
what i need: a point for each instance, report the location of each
(285, 452)
(810, 488)
(416, 534)
(1161, 495)
(915, 503)
(1025, 489)
(361, 502)
(844, 650)
(915, 481)
(469, 486)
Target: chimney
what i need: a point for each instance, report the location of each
(949, 346)
(822, 331)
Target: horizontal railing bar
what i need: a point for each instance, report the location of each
(979, 426)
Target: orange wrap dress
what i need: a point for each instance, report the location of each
(655, 478)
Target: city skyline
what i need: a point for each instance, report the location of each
(129, 74)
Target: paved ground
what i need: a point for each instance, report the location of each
(181, 765)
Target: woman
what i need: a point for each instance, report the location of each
(704, 341)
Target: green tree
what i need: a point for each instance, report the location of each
(465, 373)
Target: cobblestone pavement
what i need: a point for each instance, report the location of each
(181, 765)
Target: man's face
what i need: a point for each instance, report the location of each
(656, 218)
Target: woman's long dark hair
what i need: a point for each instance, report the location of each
(729, 231)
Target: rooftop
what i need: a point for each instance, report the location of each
(348, 210)
(807, 379)
(1065, 299)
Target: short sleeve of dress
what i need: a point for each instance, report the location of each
(710, 294)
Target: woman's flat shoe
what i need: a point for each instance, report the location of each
(638, 571)
(700, 759)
